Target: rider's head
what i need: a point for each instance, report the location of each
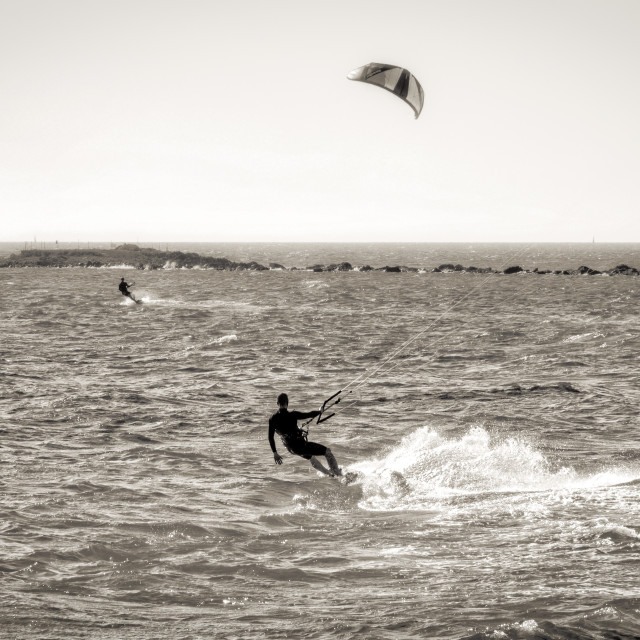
(283, 400)
(121, 279)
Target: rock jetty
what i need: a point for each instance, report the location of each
(135, 257)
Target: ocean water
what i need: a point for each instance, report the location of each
(492, 422)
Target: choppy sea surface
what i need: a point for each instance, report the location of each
(493, 422)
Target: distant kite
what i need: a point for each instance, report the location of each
(395, 79)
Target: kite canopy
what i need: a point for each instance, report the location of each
(394, 79)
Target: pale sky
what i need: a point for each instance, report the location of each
(210, 120)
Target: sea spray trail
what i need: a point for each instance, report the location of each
(427, 468)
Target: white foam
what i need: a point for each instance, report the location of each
(583, 336)
(428, 466)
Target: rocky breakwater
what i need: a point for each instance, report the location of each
(622, 269)
(133, 256)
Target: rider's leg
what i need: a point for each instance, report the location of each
(333, 463)
(316, 464)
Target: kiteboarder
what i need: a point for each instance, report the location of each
(124, 289)
(285, 424)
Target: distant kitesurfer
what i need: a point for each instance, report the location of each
(124, 289)
(285, 424)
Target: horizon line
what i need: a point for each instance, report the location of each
(84, 243)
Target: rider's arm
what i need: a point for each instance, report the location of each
(272, 442)
(276, 456)
(299, 415)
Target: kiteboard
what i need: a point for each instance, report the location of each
(133, 300)
(350, 477)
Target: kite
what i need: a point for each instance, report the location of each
(394, 79)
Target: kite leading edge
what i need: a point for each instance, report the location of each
(395, 79)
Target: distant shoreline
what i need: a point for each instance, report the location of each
(131, 256)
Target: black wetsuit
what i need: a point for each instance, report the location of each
(124, 289)
(285, 424)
